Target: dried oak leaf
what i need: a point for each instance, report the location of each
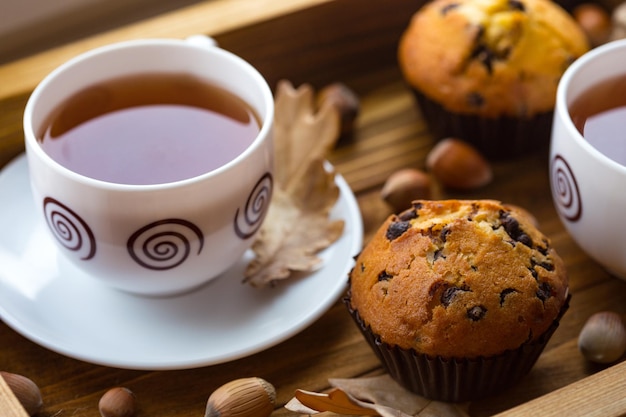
(297, 225)
(335, 401)
(379, 395)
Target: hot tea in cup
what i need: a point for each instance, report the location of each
(151, 161)
(587, 154)
(149, 129)
(599, 114)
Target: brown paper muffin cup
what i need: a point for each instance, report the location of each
(501, 138)
(460, 379)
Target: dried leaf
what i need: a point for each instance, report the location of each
(297, 407)
(336, 401)
(384, 391)
(382, 395)
(303, 135)
(297, 225)
(292, 243)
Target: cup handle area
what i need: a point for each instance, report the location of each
(202, 40)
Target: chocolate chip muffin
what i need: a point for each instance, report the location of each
(487, 70)
(458, 298)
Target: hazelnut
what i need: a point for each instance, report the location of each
(404, 186)
(618, 22)
(25, 390)
(117, 402)
(345, 101)
(244, 397)
(603, 337)
(595, 21)
(457, 164)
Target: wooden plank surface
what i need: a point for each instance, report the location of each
(600, 395)
(353, 42)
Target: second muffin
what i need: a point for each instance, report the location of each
(487, 70)
(458, 298)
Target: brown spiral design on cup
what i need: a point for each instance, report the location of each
(164, 244)
(565, 189)
(249, 220)
(69, 229)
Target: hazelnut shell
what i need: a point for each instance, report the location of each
(457, 164)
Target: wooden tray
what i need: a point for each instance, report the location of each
(318, 42)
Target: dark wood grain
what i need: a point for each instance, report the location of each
(353, 42)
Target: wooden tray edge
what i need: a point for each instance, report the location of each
(601, 394)
(210, 18)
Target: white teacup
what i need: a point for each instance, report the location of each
(587, 185)
(155, 239)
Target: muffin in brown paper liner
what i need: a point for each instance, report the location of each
(455, 379)
(458, 297)
(487, 71)
(497, 138)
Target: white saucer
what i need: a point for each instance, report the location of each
(59, 307)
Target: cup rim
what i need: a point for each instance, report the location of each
(563, 109)
(263, 134)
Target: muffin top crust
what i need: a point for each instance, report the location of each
(458, 279)
(490, 57)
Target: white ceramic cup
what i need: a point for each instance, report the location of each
(159, 239)
(587, 186)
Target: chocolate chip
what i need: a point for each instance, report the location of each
(434, 287)
(506, 292)
(362, 267)
(510, 224)
(547, 265)
(476, 313)
(485, 56)
(384, 276)
(544, 291)
(396, 229)
(524, 239)
(517, 5)
(512, 228)
(445, 9)
(444, 234)
(407, 215)
(438, 254)
(449, 293)
(475, 99)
